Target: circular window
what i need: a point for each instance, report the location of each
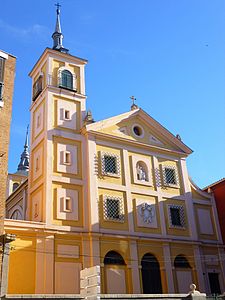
(138, 130)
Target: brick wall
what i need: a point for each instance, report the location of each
(5, 120)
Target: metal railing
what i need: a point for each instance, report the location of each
(65, 82)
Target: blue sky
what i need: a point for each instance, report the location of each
(169, 54)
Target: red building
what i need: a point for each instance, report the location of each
(218, 189)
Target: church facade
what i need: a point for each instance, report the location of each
(114, 193)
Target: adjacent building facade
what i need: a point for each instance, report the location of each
(218, 190)
(7, 74)
(114, 193)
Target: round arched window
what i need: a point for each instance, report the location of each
(16, 215)
(181, 262)
(113, 258)
(15, 186)
(66, 80)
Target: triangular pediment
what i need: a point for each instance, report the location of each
(139, 127)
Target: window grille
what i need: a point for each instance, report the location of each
(110, 164)
(113, 208)
(170, 176)
(177, 217)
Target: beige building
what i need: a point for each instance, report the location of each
(114, 193)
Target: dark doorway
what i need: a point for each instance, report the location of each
(151, 278)
(214, 283)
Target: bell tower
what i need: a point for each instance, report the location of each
(57, 153)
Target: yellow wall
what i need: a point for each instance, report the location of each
(73, 68)
(22, 267)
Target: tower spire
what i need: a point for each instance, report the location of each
(23, 166)
(57, 35)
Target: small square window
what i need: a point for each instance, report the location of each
(67, 204)
(66, 114)
(110, 164)
(113, 208)
(67, 158)
(177, 218)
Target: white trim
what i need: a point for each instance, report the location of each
(3, 55)
(132, 145)
(149, 121)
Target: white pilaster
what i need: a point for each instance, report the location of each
(188, 199)
(199, 268)
(45, 265)
(168, 268)
(134, 267)
(160, 199)
(86, 252)
(93, 186)
(95, 251)
(128, 191)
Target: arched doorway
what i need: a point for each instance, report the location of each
(115, 273)
(151, 278)
(183, 273)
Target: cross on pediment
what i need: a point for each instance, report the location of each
(134, 105)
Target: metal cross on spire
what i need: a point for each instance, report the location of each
(57, 35)
(58, 7)
(133, 106)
